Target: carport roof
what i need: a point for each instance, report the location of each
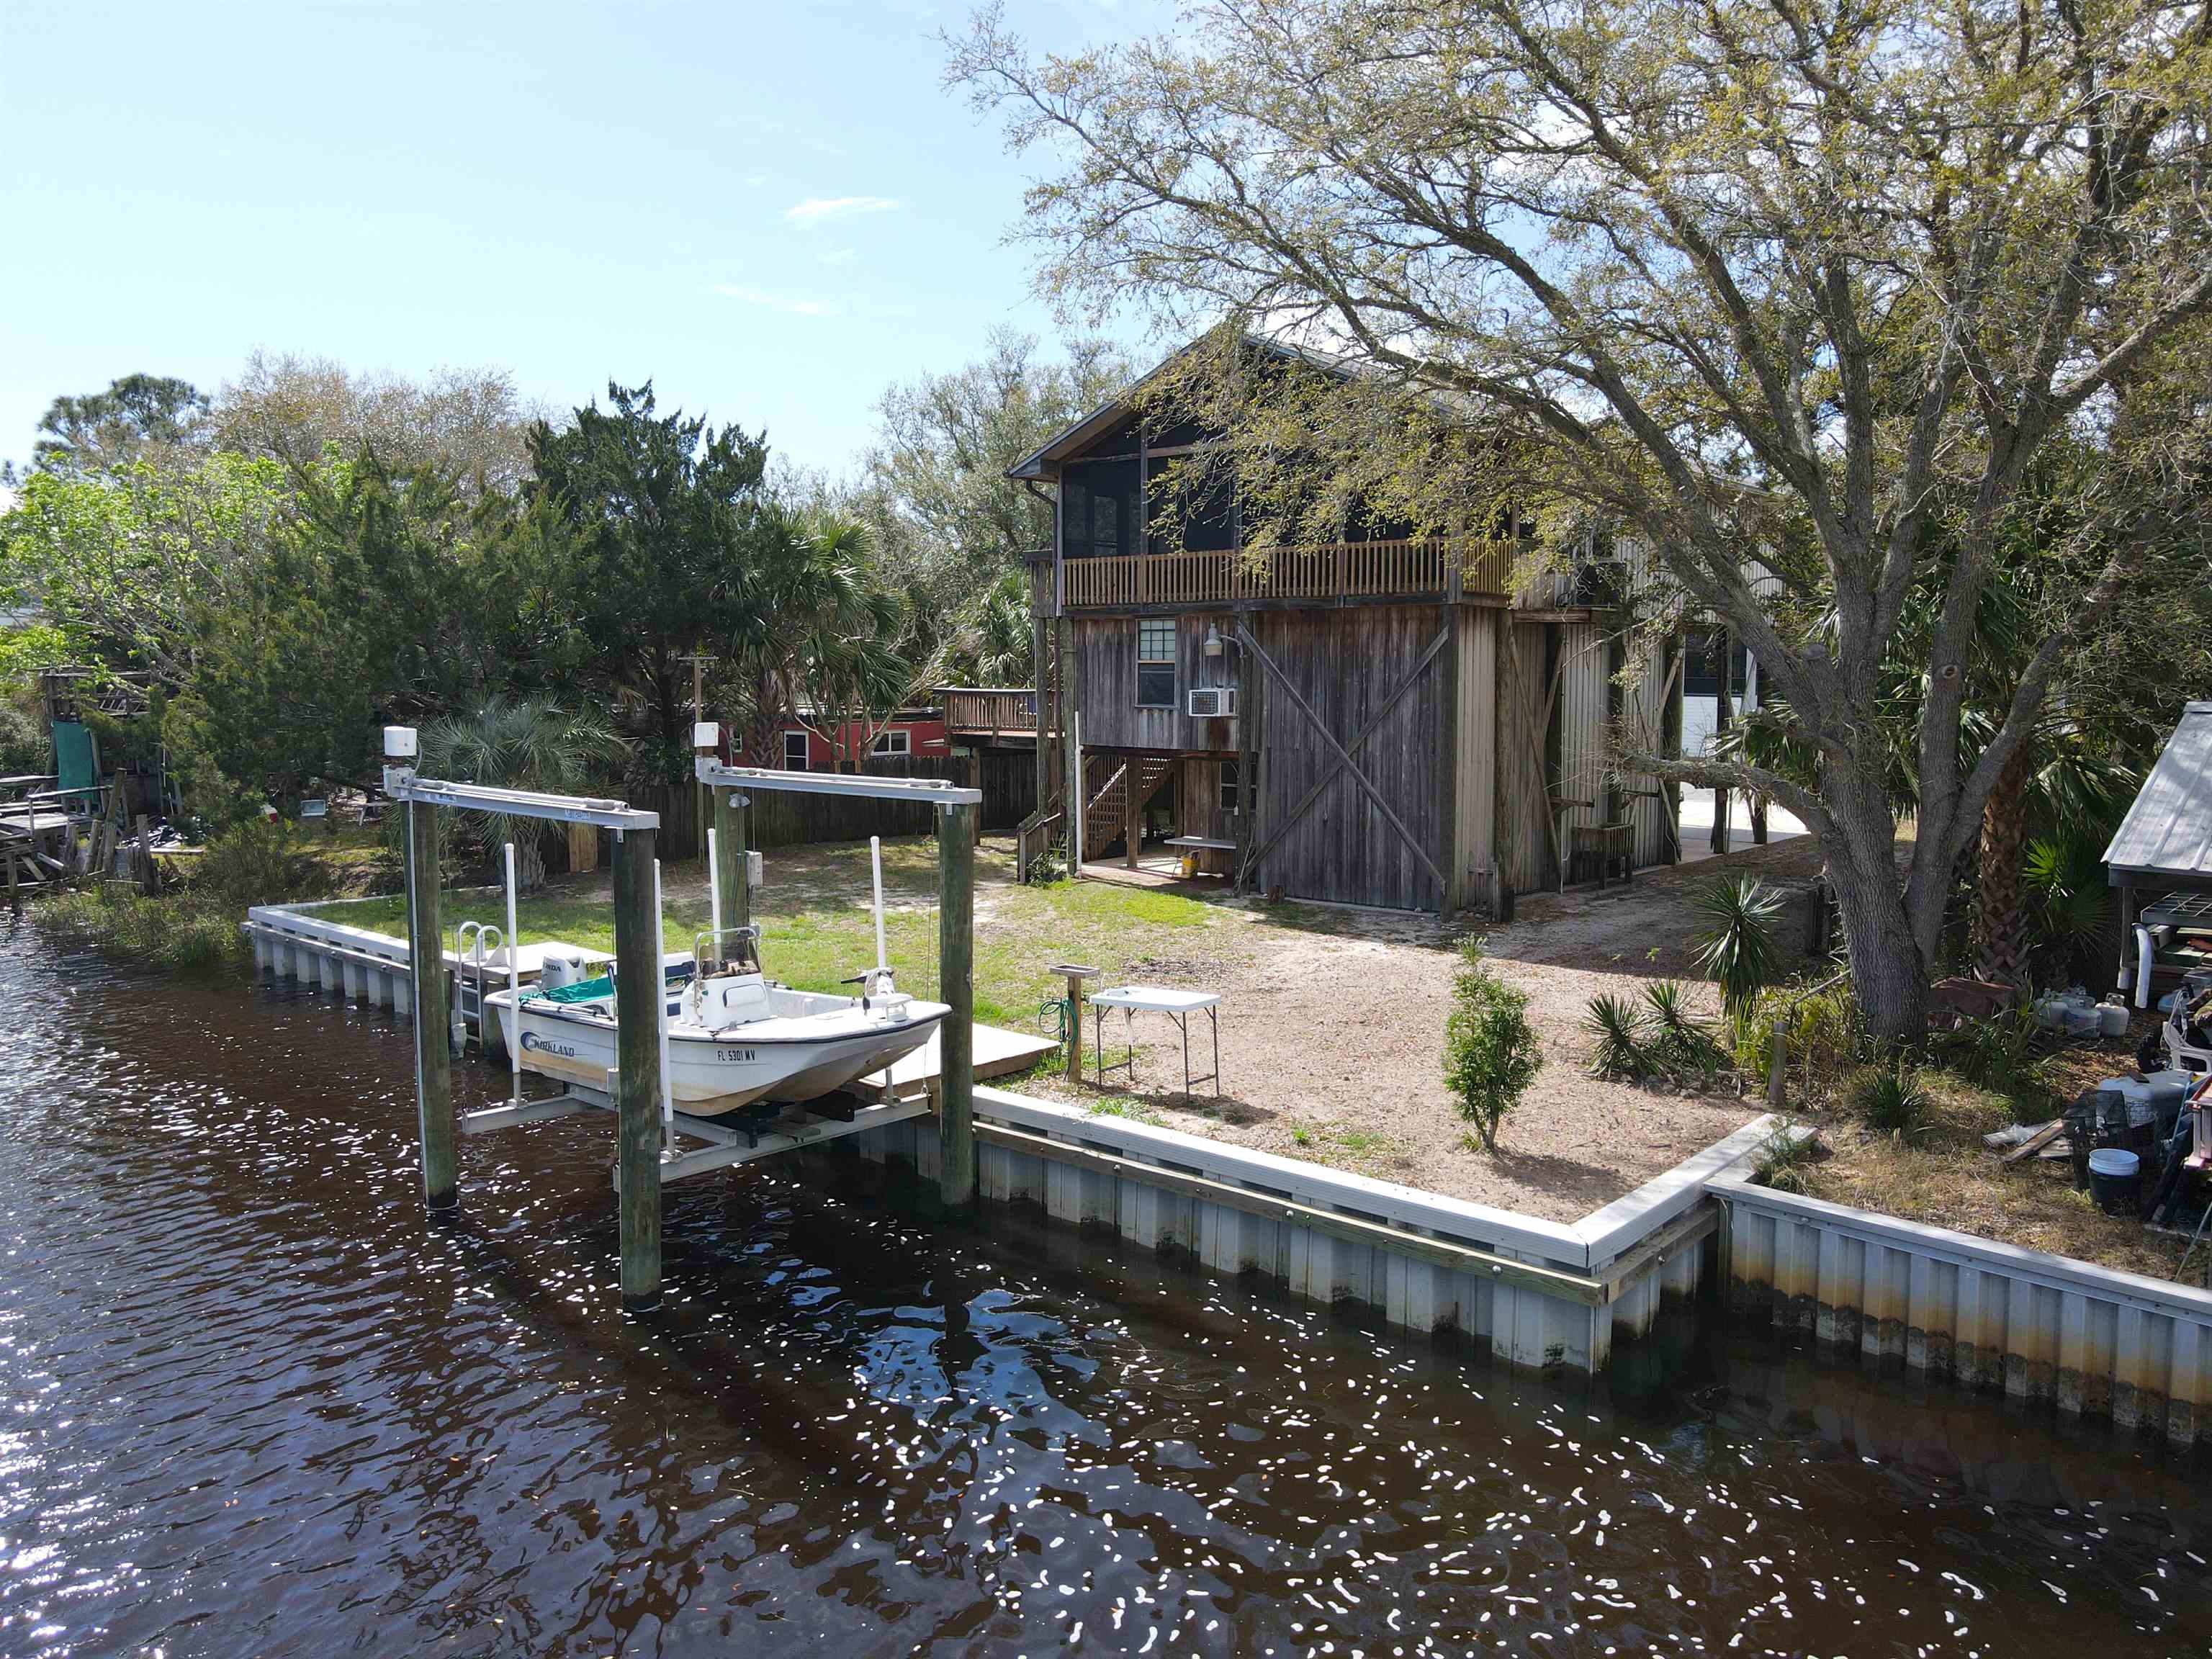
(2167, 837)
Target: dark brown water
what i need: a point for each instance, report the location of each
(251, 1401)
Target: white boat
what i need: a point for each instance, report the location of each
(734, 1036)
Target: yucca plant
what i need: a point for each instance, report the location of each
(1679, 1038)
(1618, 1025)
(1739, 949)
(1890, 1100)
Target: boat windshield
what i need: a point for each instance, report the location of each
(732, 951)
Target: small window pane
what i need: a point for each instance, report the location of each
(1156, 668)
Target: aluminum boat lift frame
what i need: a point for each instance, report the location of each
(634, 1092)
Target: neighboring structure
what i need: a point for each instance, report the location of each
(1374, 721)
(821, 746)
(2161, 857)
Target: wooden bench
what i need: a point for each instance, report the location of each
(1606, 845)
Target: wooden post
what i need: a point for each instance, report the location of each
(1449, 855)
(731, 874)
(434, 1059)
(956, 1086)
(143, 852)
(637, 1060)
(1777, 1045)
(1075, 975)
(1505, 740)
(14, 894)
(1725, 654)
(1039, 695)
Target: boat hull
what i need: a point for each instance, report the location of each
(711, 1072)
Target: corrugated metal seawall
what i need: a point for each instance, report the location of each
(1522, 1286)
(1987, 1316)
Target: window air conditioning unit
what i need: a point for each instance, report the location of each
(1217, 703)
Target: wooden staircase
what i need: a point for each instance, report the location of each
(1120, 788)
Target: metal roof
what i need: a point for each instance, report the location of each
(2167, 833)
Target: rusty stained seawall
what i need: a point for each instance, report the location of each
(2094, 1342)
(1573, 1322)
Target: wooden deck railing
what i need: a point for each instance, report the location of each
(989, 707)
(1334, 570)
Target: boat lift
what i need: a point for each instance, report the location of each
(637, 1092)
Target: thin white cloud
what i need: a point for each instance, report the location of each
(821, 210)
(835, 256)
(792, 304)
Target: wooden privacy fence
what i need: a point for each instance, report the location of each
(1332, 570)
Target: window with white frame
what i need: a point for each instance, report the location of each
(1155, 663)
(898, 741)
(1232, 790)
(794, 751)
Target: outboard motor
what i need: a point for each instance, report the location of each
(559, 971)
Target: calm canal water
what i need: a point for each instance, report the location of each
(251, 1401)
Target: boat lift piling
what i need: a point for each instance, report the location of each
(637, 1018)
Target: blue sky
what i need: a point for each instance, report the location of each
(772, 210)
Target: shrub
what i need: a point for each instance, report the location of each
(2003, 1054)
(1491, 1054)
(1786, 1159)
(1827, 1035)
(1739, 949)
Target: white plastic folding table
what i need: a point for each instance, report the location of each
(1178, 1006)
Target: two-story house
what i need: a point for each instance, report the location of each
(1374, 721)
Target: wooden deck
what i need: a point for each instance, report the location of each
(1328, 572)
(991, 713)
(999, 1052)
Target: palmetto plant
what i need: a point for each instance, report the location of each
(1739, 949)
(988, 640)
(520, 742)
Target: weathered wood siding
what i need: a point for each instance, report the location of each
(1106, 672)
(1526, 776)
(1345, 664)
(1580, 710)
(1645, 710)
(1474, 797)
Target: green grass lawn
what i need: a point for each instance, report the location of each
(816, 927)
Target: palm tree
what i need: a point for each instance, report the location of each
(521, 743)
(818, 638)
(988, 642)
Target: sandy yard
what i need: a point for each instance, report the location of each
(1332, 1028)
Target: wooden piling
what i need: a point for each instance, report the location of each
(729, 860)
(956, 1091)
(433, 1061)
(638, 991)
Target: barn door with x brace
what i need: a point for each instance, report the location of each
(1346, 752)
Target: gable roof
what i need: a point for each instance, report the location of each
(2167, 833)
(1045, 460)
